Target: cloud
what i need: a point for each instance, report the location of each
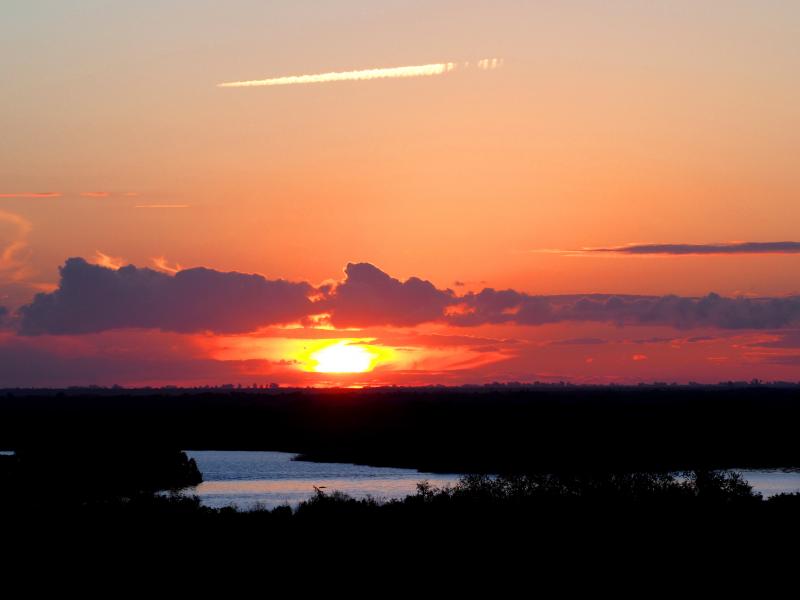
(84, 194)
(579, 342)
(438, 340)
(32, 195)
(13, 246)
(162, 206)
(43, 362)
(782, 359)
(428, 70)
(654, 340)
(509, 306)
(160, 263)
(789, 339)
(368, 297)
(688, 249)
(92, 298)
(107, 261)
(700, 338)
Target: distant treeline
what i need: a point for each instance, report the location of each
(482, 430)
(82, 473)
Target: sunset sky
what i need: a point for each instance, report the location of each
(422, 192)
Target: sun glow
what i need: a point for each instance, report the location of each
(343, 357)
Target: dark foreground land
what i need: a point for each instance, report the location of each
(691, 512)
(641, 464)
(471, 430)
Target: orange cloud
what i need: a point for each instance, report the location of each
(161, 264)
(107, 261)
(13, 248)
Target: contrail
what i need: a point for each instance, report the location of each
(368, 74)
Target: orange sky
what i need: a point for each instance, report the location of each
(606, 125)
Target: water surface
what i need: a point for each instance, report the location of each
(268, 479)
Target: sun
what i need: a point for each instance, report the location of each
(343, 357)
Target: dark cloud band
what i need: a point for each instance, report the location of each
(91, 298)
(685, 249)
(509, 306)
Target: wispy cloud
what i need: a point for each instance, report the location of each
(109, 262)
(32, 195)
(162, 206)
(688, 249)
(86, 194)
(579, 342)
(160, 263)
(13, 246)
(730, 248)
(428, 70)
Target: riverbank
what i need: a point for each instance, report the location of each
(437, 430)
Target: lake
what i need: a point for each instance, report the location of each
(269, 479)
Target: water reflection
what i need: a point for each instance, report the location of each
(269, 479)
